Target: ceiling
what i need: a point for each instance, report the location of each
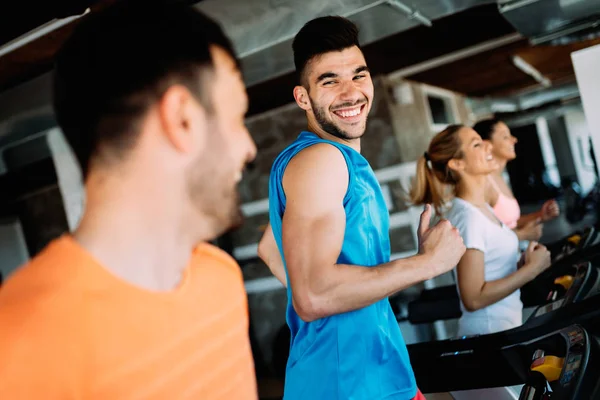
(493, 72)
(20, 19)
(464, 45)
(262, 34)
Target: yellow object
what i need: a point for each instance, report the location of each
(564, 281)
(575, 239)
(549, 366)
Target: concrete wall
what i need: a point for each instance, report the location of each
(411, 120)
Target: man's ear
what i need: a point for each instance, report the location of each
(301, 97)
(179, 113)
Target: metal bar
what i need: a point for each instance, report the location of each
(25, 139)
(531, 71)
(457, 55)
(564, 32)
(411, 12)
(513, 5)
(37, 33)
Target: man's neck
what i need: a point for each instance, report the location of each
(316, 129)
(137, 239)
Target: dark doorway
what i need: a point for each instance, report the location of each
(527, 171)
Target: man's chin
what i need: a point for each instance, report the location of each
(237, 219)
(349, 134)
(357, 129)
(354, 135)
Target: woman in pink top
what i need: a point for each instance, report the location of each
(498, 193)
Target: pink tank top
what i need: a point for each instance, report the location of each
(506, 208)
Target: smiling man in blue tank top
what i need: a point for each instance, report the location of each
(330, 221)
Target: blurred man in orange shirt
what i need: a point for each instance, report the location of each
(135, 304)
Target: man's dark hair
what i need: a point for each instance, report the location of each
(319, 36)
(119, 62)
(486, 128)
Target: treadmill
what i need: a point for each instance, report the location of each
(575, 248)
(572, 243)
(443, 303)
(559, 365)
(507, 358)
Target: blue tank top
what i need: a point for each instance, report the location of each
(361, 354)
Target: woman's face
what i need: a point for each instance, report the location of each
(477, 154)
(503, 143)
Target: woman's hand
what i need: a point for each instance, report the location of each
(531, 230)
(550, 210)
(537, 258)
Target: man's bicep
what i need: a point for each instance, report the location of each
(314, 220)
(313, 237)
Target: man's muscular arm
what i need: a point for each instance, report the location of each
(269, 253)
(315, 183)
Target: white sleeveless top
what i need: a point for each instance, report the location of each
(500, 247)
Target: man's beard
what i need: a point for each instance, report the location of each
(212, 190)
(329, 126)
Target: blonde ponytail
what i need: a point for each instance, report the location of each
(427, 188)
(434, 182)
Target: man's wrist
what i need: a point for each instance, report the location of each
(423, 266)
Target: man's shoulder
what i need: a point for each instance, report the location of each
(45, 277)
(309, 154)
(37, 307)
(319, 160)
(41, 327)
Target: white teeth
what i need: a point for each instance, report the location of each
(238, 177)
(489, 157)
(346, 114)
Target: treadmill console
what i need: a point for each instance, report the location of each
(584, 282)
(576, 242)
(577, 354)
(561, 366)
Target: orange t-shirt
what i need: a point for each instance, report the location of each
(69, 329)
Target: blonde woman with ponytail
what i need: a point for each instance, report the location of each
(452, 175)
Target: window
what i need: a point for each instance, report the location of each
(440, 108)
